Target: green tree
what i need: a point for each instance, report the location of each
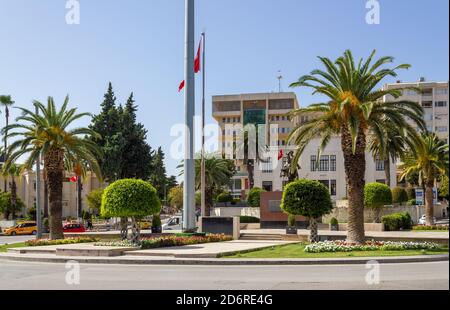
(399, 195)
(443, 188)
(428, 158)
(47, 135)
(254, 197)
(175, 197)
(354, 109)
(94, 199)
(307, 198)
(6, 102)
(130, 198)
(12, 171)
(376, 196)
(159, 175)
(6, 205)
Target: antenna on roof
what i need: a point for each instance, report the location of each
(279, 77)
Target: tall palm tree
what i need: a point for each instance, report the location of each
(429, 158)
(354, 109)
(12, 171)
(7, 102)
(47, 135)
(388, 143)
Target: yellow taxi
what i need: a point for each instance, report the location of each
(145, 224)
(23, 228)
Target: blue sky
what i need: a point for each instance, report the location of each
(138, 46)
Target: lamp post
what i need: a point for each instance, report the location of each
(189, 223)
(38, 194)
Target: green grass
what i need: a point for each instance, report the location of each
(297, 251)
(5, 247)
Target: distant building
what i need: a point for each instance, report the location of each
(271, 109)
(26, 190)
(434, 100)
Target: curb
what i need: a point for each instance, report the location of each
(230, 262)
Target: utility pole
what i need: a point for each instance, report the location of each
(203, 173)
(38, 194)
(189, 222)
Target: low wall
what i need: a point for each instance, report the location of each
(6, 224)
(367, 227)
(340, 212)
(235, 211)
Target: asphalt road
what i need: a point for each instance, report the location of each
(21, 275)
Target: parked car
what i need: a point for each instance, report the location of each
(174, 223)
(74, 228)
(422, 220)
(23, 228)
(145, 224)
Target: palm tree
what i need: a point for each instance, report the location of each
(7, 102)
(354, 109)
(47, 135)
(12, 171)
(388, 143)
(218, 173)
(428, 158)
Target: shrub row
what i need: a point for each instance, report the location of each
(430, 228)
(249, 220)
(42, 242)
(342, 246)
(397, 221)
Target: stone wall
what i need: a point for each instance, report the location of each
(340, 212)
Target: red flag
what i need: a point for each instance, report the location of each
(280, 155)
(197, 60)
(74, 179)
(180, 88)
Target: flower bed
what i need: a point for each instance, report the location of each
(342, 246)
(42, 242)
(169, 241)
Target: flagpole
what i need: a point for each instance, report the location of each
(189, 222)
(38, 194)
(203, 172)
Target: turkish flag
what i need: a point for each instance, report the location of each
(180, 88)
(280, 155)
(74, 179)
(197, 60)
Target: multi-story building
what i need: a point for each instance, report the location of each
(433, 98)
(26, 190)
(270, 110)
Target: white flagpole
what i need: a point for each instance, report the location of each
(203, 173)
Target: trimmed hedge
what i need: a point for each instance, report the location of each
(429, 228)
(397, 221)
(250, 220)
(254, 197)
(224, 198)
(377, 195)
(130, 198)
(308, 198)
(399, 195)
(43, 242)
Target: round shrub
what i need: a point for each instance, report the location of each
(224, 198)
(130, 198)
(412, 202)
(254, 197)
(397, 221)
(334, 222)
(377, 195)
(308, 198)
(411, 192)
(399, 195)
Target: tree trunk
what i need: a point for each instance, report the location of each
(135, 232)
(429, 201)
(45, 199)
(54, 166)
(124, 228)
(387, 171)
(355, 168)
(209, 200)
(13, 188)
(251, 173)
(313, 227)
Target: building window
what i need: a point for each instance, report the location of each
(379, 164)
(333, 188)
(441, 91)
(267, 186)
(440, 104)
(410, 92)
(333, 163)
(224, 120)
(267, 167)
(324, 164)
(381, 181)
(427, 104)
(34, 185)
(313, 163)
(441, 128)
